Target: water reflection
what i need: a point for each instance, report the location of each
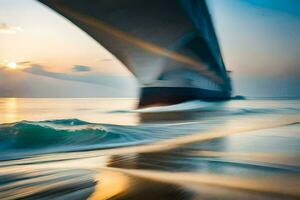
(110, 185)
(8, 108)
(92, 109)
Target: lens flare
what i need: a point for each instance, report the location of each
(12, 65)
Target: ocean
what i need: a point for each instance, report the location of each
(103, 148)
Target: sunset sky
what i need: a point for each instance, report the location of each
(260, 42)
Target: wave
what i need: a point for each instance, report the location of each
(28, 137)
(215, 108)
(65, 135)
(195, 105)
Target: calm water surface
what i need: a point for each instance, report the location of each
(106, 149)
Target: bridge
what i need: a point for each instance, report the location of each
(170, 46)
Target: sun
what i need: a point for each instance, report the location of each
(12, 65)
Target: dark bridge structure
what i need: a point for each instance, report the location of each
(169, 45)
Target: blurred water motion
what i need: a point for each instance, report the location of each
(104, 149)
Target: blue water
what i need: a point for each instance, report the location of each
(25, 138)
(106, 149)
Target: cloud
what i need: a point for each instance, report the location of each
(7, 29)
(111, 81)
(19, 84)
(80, 68)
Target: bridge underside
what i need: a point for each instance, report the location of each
(153, 38)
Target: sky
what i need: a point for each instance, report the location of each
(259, 39)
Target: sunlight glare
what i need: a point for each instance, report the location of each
(12, 65)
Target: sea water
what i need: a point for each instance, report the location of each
(101, 148)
